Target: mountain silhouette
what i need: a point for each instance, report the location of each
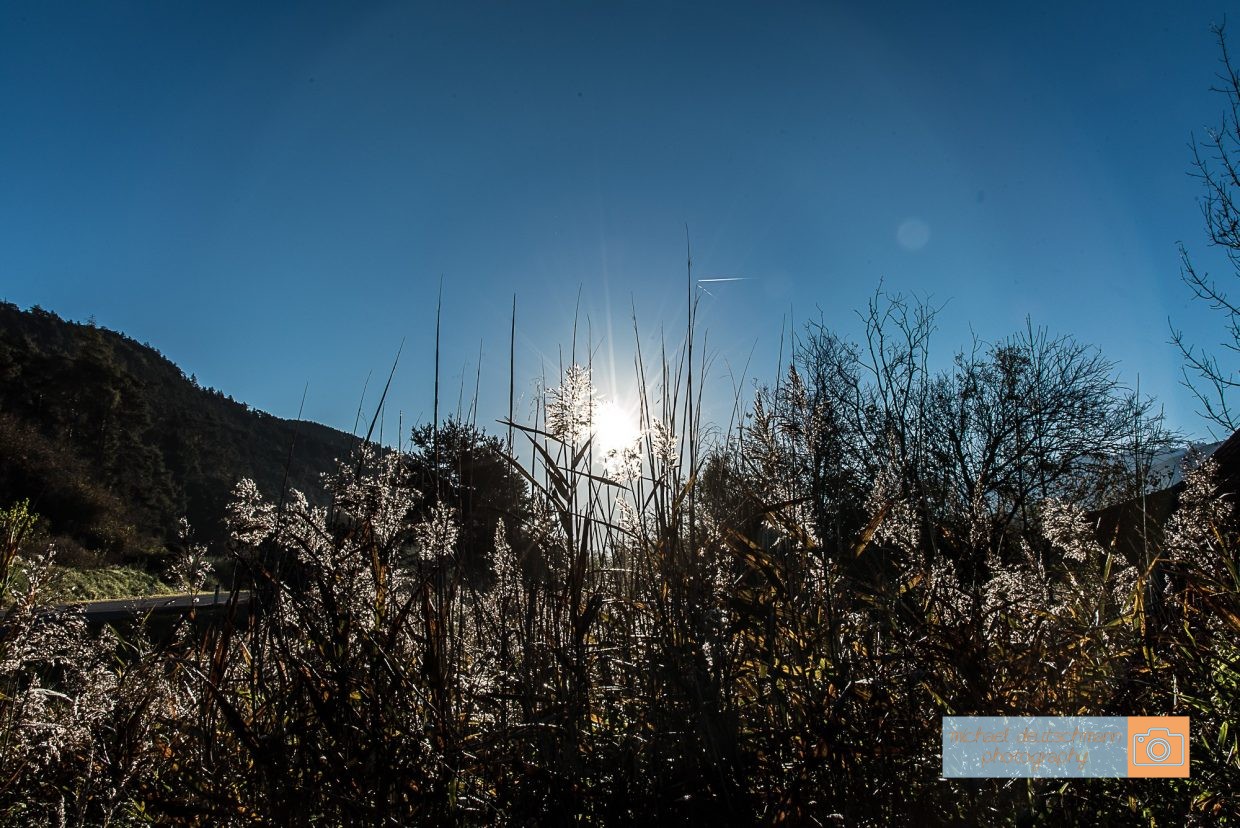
(112, 443)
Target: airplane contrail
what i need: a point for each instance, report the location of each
(726, 279)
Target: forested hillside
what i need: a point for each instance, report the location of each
(112, 443)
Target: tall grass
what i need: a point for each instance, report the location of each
(760, 628)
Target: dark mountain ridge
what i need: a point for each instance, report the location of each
(112, 443)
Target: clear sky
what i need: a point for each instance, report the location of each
(269, 193)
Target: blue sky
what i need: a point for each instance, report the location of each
(270, 193)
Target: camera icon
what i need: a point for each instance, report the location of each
(1158, 746)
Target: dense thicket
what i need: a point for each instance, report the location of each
(460, 466)
(762, 630)
(112, 443)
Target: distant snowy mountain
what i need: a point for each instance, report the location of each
(1169, 468)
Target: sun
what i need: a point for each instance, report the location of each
(615, 428)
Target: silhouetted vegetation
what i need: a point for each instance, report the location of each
(469, 471)
(763, 629)
(1216, 163)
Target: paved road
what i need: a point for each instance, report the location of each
(206, 603)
